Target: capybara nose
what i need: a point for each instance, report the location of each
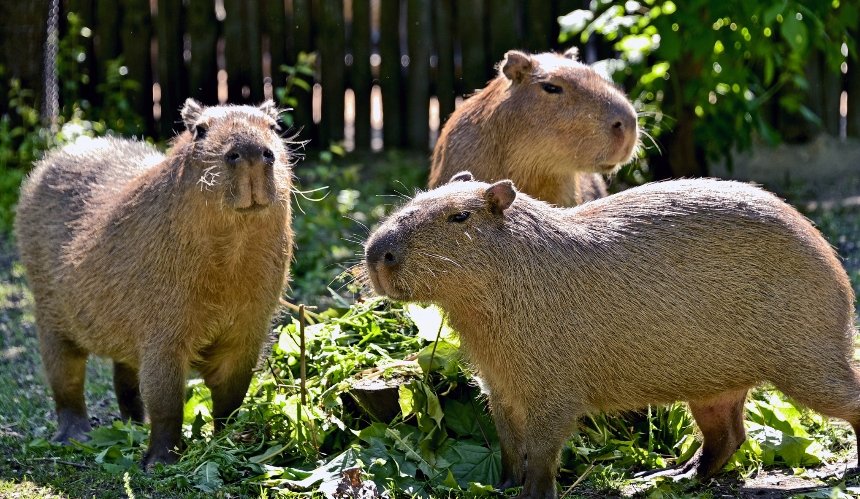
(383, 249)
(251, 153)
(622, 121)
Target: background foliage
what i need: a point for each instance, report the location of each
(709, 76)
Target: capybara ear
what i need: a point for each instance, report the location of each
(270, 109)
(517, 65)
(500, 196)
(191, 112)
(572, 53)
(464, 176)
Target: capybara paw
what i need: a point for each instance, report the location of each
(66, 433)
(153, 457)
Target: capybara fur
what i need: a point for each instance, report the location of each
(161, 263)
(693, 290)
(548, 122)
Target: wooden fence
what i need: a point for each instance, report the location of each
(410, 56)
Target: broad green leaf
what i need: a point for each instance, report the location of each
(208, 477)
(268, 454)
(474, 463)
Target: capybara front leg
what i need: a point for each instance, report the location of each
(228, 380)
(510, 439)
(127, 387)
(162, 376)
(66, 367)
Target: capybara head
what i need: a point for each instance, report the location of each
(565, 107)
(403, 257)
(237, 153)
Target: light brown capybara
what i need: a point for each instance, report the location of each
(548, 122)
(160, 263)
(693, 290)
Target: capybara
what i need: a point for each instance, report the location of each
(161, 263)
(693, 290)
(548, 122)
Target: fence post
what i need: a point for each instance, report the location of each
(137, 53)
(170, 65)
(445, 58)
(419, 40)
(362, 78)
(300, 35)
(503, 28)
(852, 86)
(477, 68)
(390, 73)
(203, 32)
(332, 47)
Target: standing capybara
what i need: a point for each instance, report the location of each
(160, 263)
(692, 290)
(548, 122)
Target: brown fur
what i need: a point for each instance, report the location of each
(692, 290)
(554, 146)
(160, 263)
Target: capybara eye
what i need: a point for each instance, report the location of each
(550, 88)
(199, 132)
(459, 217)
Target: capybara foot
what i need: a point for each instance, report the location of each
(153, 457)
(72, 429)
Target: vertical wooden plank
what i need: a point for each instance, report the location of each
(477, 68)
(539, 21)
(136, 50)
(444, 13)
(300, 34)
(171, 68)
(504, 18)
(23, 30)
(852, 85)
(331, 43)
(242, 52)
(274, 26)
(203, 69)
(420, 41)
(254, 45)
(390, 75)
(362, 80)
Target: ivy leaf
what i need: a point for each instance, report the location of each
(474, 463)
(795, 33)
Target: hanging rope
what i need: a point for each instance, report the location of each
(51, 104)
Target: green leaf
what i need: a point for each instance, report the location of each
(463, 419)
(795, 33)
(445, 358)
(208, 477)
(268, 454)
(474, 463)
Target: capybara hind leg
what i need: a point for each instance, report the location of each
(228, 380)
(162, 386)
(127, 387)
(66, 367)
(721, 421)
(834, 391)
(510, 438)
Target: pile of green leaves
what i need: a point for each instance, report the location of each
(292, 436)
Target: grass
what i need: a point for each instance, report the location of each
(439, 442)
